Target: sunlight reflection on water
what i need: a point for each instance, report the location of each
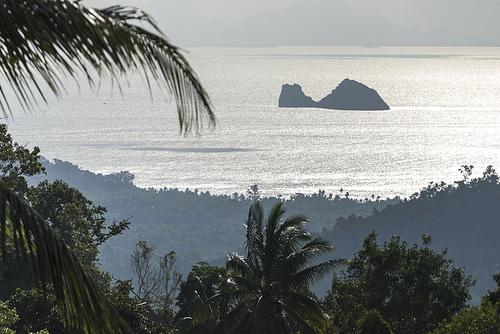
(445, 112)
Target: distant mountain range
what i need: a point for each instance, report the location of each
(308, 23)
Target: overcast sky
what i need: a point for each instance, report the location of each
(475, 17)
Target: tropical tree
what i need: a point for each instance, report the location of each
(8, 318)
(17, 162)
(265, 291)
(413, 288)
(40, 40)
(201, 283)
(476, 319)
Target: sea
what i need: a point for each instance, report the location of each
(444, 113)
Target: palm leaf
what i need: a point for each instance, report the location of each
(42, 39)
(82, 303)
(314, 273)
(258, 297)
(236, 263)
(306, 328)
(245, 284)
(244, 322)
(263, 321)
(292, 235)
(311, 251)
(254, 243)
(304, 305)
(234, 321)
(212, 309)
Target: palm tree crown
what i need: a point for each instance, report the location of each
(264, 292)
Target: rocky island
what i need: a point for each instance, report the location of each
(349, 95)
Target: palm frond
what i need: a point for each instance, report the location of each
(44, 39)
(260, 291)
(273, 221)
(264, 317)
(306, 328)
(304, 305)
(314, 273)
(185, 325)
(234, 321)
(254, 243)
(81, 302)
(295, 222)
(217, 306)
(242, 327)
(292, 234)
(309, 252)
(245, 284)
(237, 263)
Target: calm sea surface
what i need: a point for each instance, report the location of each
(445, 112)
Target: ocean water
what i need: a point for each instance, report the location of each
(445, 112)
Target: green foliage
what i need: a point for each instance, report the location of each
(413, 288)
(484, 319)
(373, 323)
(462, 217)
(17, 162)
(38, 244)
(130, 309)
(37, 310)
(29, 244)
(493, 297)
(8, 318)
(200, 285)
(262, 293)
(80, 223)
(189, 221)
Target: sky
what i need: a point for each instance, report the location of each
(474, 17)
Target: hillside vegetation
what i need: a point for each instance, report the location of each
(463, 217)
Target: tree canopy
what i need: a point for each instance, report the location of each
(17, 162)
(264, 292)
(476, 319)
(413, 288)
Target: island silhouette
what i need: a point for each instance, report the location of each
(348, 95)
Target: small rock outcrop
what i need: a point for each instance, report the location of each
(293, 96)
(349, 95)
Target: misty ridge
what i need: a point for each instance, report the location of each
(461, 217)
(307, 23)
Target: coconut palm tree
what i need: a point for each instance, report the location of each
(40, 41)
(265, 291)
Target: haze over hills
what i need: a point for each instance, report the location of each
(326, 22)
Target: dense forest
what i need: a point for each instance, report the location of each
(170, 260)
(461, 217)
(198, 226)
(59, 232)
